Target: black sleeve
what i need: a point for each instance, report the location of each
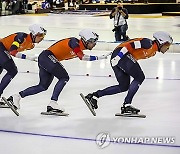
(144, 43)
(113, 10)
(73, 43)
(126, 12)
(18, 38)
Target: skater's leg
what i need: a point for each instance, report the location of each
(123, 80)
(45, 81)
(107, 91)
(139, 77)
(46, 65)
(1, 69)
(60, 73)
(1, 101)
(131, 68)
(7, 63)
(11, 69)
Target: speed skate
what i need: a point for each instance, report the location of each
(88, 104)
(3, 104)
(55, 113)
(10, 106)
(131, 115)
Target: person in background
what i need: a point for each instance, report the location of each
(120, 16)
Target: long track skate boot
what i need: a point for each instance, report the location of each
(2, 102)
(15, 101)
(92, 101)
(54, 107)
(129, 109)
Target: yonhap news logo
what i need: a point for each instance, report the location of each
(104, 139)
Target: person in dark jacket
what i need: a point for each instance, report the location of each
(120, 15)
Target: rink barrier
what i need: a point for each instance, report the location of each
(105, 46)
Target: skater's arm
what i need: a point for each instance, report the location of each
(82, 56)
(74, 44)
(18, 40)
(85, 57)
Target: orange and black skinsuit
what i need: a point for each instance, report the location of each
(11, 45)
(124, 64)
(50, 66)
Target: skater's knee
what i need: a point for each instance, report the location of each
(11, 68)
(140, 77)
(13, 72)
(1, 69)
(67, 78)
(124, 87)
(64, 80)
(43, 87)
(64, 77)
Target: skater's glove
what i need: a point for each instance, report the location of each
(104, 56)
(23, 56)
(32, 58)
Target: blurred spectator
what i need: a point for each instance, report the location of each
(120, 15)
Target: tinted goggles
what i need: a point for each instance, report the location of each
(41, 35)
(91, 40)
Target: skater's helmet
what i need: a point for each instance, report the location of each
(88, 35)
(37, 30)
(163, 37)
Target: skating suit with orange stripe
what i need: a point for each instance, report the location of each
(18, 41)
(139, 48)
(67, 49)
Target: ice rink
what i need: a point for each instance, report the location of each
(80, 132)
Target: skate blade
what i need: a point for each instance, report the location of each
(53, 113)
(3, 105)
(10, 106)
(88, 104)
(131, 115)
